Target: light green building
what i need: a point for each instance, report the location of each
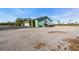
(38, 22)
(43, 21)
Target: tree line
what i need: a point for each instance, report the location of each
(17, 22)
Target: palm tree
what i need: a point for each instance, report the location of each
(76, 22)
(58, 21)
(70, 21)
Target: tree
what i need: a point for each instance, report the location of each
(70, 21)
(8, 23)
(76, 22)
(25, 19)
(19, 21)
(29, 18)
(58, 21)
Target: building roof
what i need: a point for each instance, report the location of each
(43, 18)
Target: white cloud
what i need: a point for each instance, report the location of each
(4, 17)
(19, 11)
(65, 17)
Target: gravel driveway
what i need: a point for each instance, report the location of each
(37, 39)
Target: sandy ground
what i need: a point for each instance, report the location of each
(38, 39)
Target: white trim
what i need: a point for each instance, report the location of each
(36, 24)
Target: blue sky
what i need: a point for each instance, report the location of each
(62, 14)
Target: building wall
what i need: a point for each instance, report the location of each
(41, 23)
(27, 24)
(36, 23)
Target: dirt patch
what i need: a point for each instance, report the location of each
(39, 45)
(77, 37)
(73, 44)
(57, 32)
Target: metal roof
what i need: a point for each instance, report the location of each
(43, 18)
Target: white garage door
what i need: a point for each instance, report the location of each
(27, 24)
